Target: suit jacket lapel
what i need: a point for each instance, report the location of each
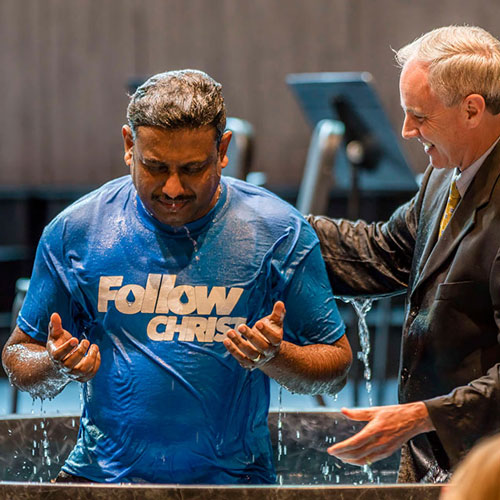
(429, 226)
(436, 251)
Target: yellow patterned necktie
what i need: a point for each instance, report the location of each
(453, 199)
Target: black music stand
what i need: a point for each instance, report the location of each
(351, 99)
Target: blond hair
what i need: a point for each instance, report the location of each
(462, 60)
(478, 476)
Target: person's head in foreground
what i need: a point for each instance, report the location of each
(478, 476)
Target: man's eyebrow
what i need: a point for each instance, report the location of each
(411, 110)
(153, 161)
(158, 163)
(196, 162)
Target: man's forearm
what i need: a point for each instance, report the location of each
(313, 369)
(42, 379)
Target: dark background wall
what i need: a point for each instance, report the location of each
(64, 65)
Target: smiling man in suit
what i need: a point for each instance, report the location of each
(442, 249)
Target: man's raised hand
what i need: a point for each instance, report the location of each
(77, 360)
(254, 347)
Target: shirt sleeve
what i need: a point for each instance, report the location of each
(48, 290)
(312, 316)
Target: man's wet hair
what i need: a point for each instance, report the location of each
(177, 100)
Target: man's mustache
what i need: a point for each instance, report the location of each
(177, 199)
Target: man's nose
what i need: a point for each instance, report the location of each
(173, 186)
(409, 129)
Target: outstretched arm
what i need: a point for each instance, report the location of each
(310, 369)
(368, 259)
(45, 369)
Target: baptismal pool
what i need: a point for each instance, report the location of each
(33, 448)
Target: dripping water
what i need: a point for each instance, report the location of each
(195, 244)
(280, 431)
(361, 307)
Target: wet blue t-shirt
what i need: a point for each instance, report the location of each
(169, 404)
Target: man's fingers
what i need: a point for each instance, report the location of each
(79, 360)
(74, 357)
(364, 455)
(242, 359)
(271, 326)
(60, 352)
(97, 363)
(255, 338)
(55, 326)
(356, 442)
(253, 347)
(87, 367)
(271, 332)
(244, 347)
(278, 314)
(362, 415)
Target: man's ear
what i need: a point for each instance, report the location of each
(128, 144)
(224, 144)
(474, 107)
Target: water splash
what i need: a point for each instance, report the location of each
(280, 430)
(280, 424)
(81, 398)
(41, 445)
(46, 460)
(368, 471)
(361, 307)
(195, 244)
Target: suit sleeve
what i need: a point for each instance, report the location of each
(471, 412)
(368, 259)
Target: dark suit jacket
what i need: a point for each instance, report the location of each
(450, 344)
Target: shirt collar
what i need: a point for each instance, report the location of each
(464, 179)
